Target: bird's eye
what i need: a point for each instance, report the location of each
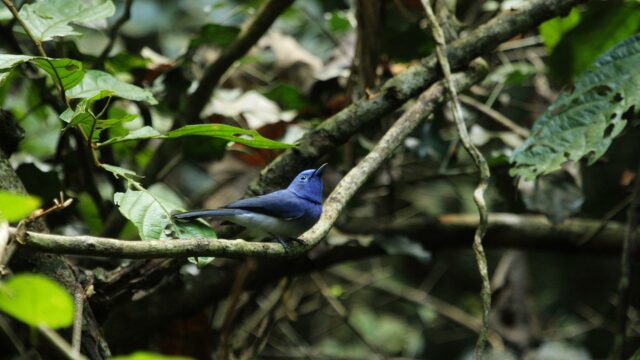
(303, 178)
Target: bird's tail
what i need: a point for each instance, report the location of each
(205, 213)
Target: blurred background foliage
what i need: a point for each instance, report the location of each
(317, 58)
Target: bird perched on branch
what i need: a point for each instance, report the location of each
(283, 214)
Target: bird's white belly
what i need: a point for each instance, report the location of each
(269, 224)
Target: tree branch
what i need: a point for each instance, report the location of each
(450, 231)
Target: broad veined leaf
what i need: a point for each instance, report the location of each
(583, 123)
(150, 211)
(47, 19)
(96, 82)
(67, 72)
(220, 131)
(36, 300)
(14, 207)
(143, 355)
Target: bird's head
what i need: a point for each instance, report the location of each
(308, 184)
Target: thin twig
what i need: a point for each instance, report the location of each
(606, 219)
(76, 339)
(60, 343)
(481, 163)
(4, 241)
(113, 33)
(624, 284)
(495, 115)
(15, 339)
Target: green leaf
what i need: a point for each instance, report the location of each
(219, 131)
(70, 72)
(36, 300)
(600, 28)
(47, 19)
(83, 117)
(122, 173)
(145, 132)
(150, 211)
(95, 82)
(287, 96)
(553, 30)
(143, 355)
(226, 132)
(215, 34)
(584, 122)
(14, 207)
(338, 21)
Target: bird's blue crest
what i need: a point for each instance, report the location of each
(308, 184)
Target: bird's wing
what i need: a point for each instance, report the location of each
(281, 204)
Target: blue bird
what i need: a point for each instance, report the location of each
(283, 214)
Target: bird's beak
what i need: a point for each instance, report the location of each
(319, 170)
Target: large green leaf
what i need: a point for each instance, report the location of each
(220, 131)
(14, 207)
(36, 300)
(585, 122)
(47, 19)
(150, 211)
(96, 82)
(67, 72)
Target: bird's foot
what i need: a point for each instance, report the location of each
(283, 242)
